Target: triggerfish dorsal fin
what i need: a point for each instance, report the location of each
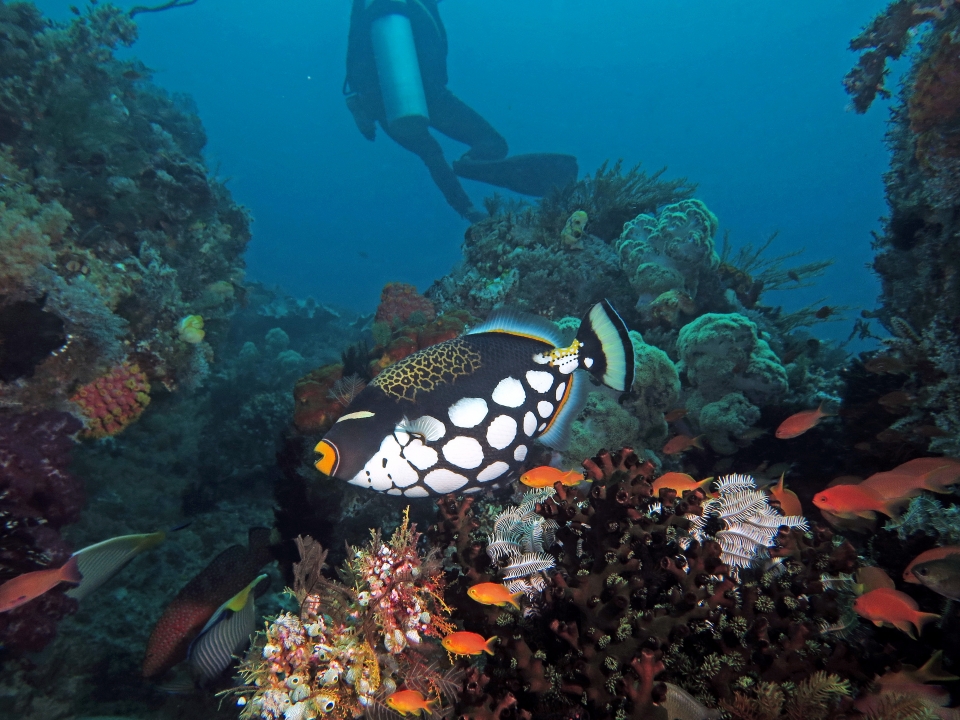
(225, 634)
(513, 322)
(606, 350)
(100, 562)
(557, 433)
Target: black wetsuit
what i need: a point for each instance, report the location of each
(448, 114)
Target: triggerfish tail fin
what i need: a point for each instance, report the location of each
(490, 645)
(225, 634)
(606, 349)
(557, 433)
(98, 563)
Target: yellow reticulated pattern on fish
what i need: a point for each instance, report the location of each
(558, 355)
(426, 370)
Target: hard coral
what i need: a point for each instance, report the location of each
(38, 496)
(934, 104)
(112, 402)
(399, 301)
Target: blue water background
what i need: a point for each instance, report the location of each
(742, 97)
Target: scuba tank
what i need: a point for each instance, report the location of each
(398, 68)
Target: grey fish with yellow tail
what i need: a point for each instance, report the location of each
(461, 415)
(226, 634)
(98, 563)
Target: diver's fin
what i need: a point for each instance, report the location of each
(532, 174)
(606, 350)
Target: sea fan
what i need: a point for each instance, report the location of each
(346, 389)
(750, 523)
(528, 564)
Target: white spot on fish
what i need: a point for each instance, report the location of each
(469, 491)
(492, 471)
(416, 492)
(520, 453)
(539, 380)
(543, 426)
(394, 491)
(567, 364)
(444, 481)
(419, 455)
(509, 393)
(560, 389)
(501, 431)
(544, 408)
(402, 437)
(386, 468)
(588, 362)
(463, 452)
(468, 412)
(529, 424)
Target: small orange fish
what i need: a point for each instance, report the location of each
(546, 476)
(789, 502)
(410, 702)
(675, 415)
(910, 478)
(871, 577)
(682, 443)
(938, 553)
(892, 607)
(24, 588)
(679, 482)
(489, 593)
(850, 501)
(468, 643)
(798, 423)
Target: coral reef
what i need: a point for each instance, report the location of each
(38, 496)
(717, 597)
(110, 220)
(916, 259)
(731, 370)
(351, 646)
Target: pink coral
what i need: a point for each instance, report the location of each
(112, 402)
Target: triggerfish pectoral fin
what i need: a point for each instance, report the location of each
(226, 633)
(98, 563)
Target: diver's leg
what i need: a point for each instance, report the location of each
(457, 120)
(420, 142)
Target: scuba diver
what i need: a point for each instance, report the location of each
(397, 77)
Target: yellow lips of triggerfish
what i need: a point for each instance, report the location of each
(327, 464)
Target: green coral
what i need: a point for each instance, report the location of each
(656, 390)
(602, 423)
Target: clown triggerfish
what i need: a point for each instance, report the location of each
(461, 415)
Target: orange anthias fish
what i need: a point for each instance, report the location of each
(682, 443)
(892, 607)
(910, 478)
(679, 482)
(789, 502)
(468, 643)
(798, 423)
(675, 415)
(183, 619)
(494, 594)
(938, 553)
(24, 588)
(410, 702)
(871, 577)
(546, 476)
(851, 501)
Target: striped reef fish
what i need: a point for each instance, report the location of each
(461, 415)
(98, 563)
(226, 634)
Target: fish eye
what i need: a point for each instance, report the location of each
(922, 572)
